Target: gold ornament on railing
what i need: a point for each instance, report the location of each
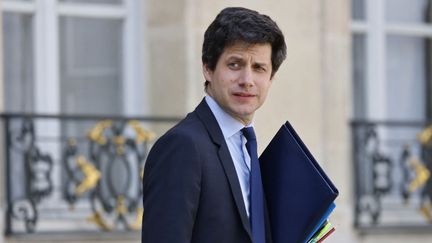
(422, 175)
(142, 134)
(106, 136)
(422, 172)
(425, 136)
(97, 219)
(91, 175)
(138, 220)
(97, 133)
(121, 206)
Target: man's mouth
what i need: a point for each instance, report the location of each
(242, 94)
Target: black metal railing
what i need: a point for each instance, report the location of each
(76, 173)
(393, 174)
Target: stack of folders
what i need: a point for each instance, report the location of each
(300, 197)
(325, 230)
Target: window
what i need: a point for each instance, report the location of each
(67, 57)
(391, 92)
(389, 62)
(73, 56)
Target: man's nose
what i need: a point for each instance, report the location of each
(246, 78)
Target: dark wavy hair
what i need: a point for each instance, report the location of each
(236, 24)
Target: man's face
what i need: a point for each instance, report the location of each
(241, 79)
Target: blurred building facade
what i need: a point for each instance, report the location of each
(356, 85)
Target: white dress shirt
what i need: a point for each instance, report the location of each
(231, 130)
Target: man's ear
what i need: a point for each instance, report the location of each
(207, 72)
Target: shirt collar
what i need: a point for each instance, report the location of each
(227, 123)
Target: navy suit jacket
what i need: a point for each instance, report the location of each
(191, 189)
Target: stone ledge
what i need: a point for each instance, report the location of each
(69, 237)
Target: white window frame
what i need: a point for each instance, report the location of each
(46, 47)
(375, 29)
(46, 15)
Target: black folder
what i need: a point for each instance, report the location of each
(297, 191)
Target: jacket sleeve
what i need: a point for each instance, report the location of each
(171, 190)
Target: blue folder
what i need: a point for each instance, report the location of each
(298, 192)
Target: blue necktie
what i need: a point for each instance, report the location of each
(256, 188)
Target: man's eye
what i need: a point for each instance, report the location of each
(233, 65)
(260, 69)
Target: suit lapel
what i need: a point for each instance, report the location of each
(206, 116)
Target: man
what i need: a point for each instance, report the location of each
(200, 183)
